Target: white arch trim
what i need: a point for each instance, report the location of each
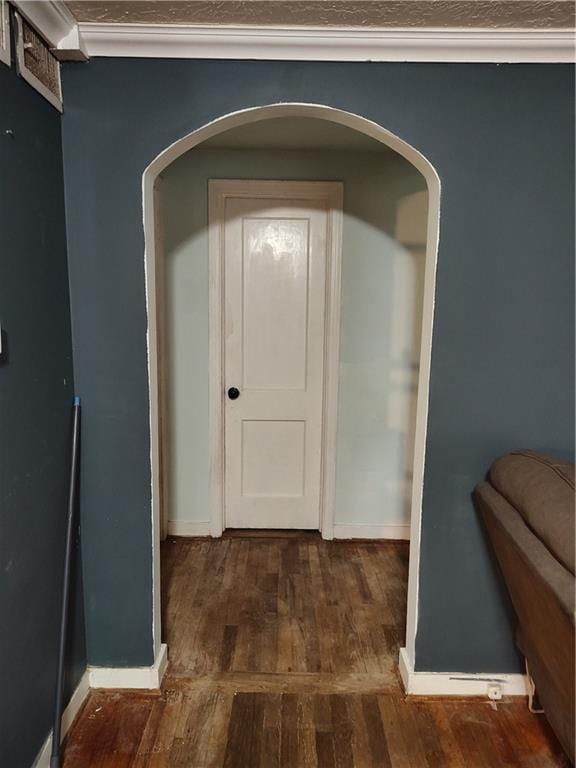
(375, 131)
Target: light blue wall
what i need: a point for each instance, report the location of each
(385, 206)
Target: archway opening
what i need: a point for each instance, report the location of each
(390, 238)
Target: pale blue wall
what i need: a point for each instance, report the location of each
(385, 201)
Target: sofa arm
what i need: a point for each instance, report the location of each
(542, 593)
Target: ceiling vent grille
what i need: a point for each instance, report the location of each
(37, 64)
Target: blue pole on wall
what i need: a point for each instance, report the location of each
(56, 730)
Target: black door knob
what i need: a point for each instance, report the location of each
(233, 393)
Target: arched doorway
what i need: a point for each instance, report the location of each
(154, 309)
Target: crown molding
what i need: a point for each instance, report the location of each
(70, 40)
(53, 20)
(328, 43)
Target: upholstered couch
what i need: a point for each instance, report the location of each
(527, 505)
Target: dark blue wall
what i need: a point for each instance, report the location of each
(36, 389)
(501, 139)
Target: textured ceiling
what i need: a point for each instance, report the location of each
(505, 14)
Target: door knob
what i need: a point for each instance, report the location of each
(233, 393)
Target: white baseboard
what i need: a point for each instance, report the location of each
(488, 685)
(105, 677)
(341, 530)
(74, 705)
(148, 678)
(360, 531)
(189, 528)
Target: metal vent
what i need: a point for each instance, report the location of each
(40, 61)
(37, 64)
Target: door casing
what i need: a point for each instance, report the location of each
(331, 193)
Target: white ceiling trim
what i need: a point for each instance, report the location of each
(328, 43)
(53, 20)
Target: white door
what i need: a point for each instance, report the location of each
(275, 241)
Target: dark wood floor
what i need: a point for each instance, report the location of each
(283, 655)
(284, 605)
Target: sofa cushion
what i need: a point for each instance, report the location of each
(542, 490)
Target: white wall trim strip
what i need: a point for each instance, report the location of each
(361, 531)
(328, 43)
(5, 52)
(148, 678)
(341, 530)
(490, 685)
(105, 677)
(189, 528)
(74, 705)
(51, 18)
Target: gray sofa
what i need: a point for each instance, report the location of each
(527, 505)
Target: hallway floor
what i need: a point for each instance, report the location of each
(283, 654)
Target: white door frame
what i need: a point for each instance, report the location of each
(151, 257)
(331, 192)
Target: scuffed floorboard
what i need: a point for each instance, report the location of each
(283, 654)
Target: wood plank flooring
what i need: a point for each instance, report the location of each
(283, 654)
(284, 605)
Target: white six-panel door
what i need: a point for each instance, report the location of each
(275, 241)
